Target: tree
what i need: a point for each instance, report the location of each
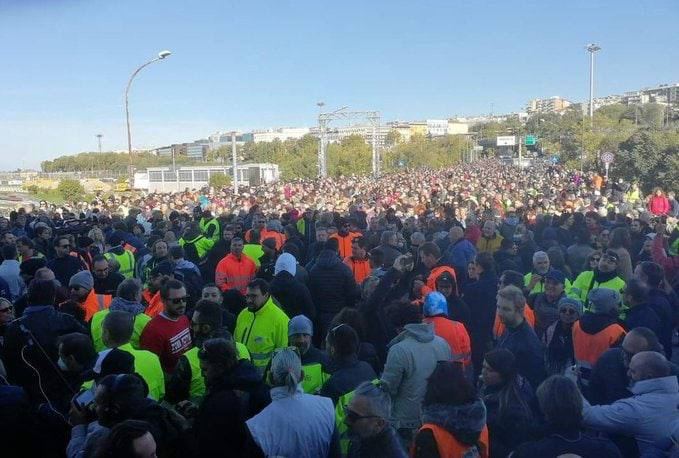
(652, 158)
(219, 180)
(71, 190)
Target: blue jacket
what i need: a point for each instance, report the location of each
(459, 254)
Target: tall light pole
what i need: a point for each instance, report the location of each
(234, 162)
(161, 55)
(99, 140)
(592, 48)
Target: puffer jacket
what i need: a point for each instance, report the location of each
(292, 295)
(332, 286)
(412, 358)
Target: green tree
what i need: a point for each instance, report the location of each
(71, 190)
(219, 180)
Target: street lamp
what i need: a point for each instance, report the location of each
(591, 48)
(161, 55)
(99, 139)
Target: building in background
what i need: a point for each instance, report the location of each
(282, 134)
(554, 104)
(165, 179)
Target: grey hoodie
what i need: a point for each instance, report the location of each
(412, 358)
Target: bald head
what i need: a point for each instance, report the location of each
(648, 365)
(455, 233)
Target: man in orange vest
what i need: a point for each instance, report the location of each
(236, 270)
(597, 330)
(344, 238)
(81, 286)
(435, 311)
(161, 273)
(430, 254)
(358, 262)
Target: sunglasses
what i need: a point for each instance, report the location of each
(177, 300)
(567, 311)
(353, 416)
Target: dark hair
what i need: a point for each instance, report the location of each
(99, 258)
(79, 346)
(512, 277)
(57, 240)
(620, 238)
(448, 385)
(403, 312)
(486, 261)
(637, 290)
(430, 249)
(169, 285)
(560, 402)
(41, 292)
(26, 241)
(352, 317)
(210, 313)
(505, 244)
(362, 242)
(74, 309)
(120, 326)
(291, 248)
(177, 252)
(260, 284)
(509, 396)
(9, 252)
(118, 443)
(376, 255)
(343, 339)
(219, 351)
(129, 289)
(123, 393)
(332, 244)
(652, 342)
(654, 272)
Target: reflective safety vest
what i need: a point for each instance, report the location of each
(96, 327)
(262, 332)
(589, 347)
(314, 378)
(499, 326)
(204, 226)
(125, 261)
(94, 303)
(147, 365)
(340, 425)
(201, 243)
(435, 273)
(456, 335)
(197, 386)
(586, 282)
(154, 303)
(253, 251)
(266, 234)
(345, 243)
(359, 267)
(540, 286)
(449, 447)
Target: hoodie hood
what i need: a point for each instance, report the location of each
(327, 259)
(465, 422)
(187, 265)
(422, 332)
(286, 262)
(593, 323)
(118, 303)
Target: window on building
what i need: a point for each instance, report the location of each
(185, 175)
(169, 175)
(156, 177)
(200, 175)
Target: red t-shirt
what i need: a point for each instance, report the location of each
(167, 338)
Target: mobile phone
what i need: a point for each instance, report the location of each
(84, 399)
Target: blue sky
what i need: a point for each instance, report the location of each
(255, 64)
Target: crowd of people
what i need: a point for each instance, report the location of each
(479, 310)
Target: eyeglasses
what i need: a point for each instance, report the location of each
(354, 416)
(177, 300)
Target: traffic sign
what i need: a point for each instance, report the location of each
(530, 140)
(506, 140)
(607, 157)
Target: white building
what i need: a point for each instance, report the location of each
(164, 179)
(282, 134)
(437, 127)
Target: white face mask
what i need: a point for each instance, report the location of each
(62, 365)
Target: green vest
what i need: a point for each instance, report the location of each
(197, 386)
(126, 262)
(147, 365)
(585, 283)
(202, 244)
(540, 286)
(204, 225)
(314, 378)
(340, 425)
(96, 325)
(253, 251)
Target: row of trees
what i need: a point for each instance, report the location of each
(114, 162)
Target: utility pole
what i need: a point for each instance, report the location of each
(99, 139)
(592, 48)
(234, 162)
(520, 156)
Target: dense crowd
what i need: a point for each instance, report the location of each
(479, 310)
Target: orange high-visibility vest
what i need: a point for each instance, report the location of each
(359, 267)
(345, 243)
(94, 303)
(456, 335)
(266, 234)
(154, 303)
(435, 273)
(449, 447)
(589, 347)
(499, 327)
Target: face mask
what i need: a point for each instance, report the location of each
(62, 365)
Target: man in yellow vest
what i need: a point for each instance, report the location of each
(123, 257)
(314, 361)
(117, 330)
(209, 226)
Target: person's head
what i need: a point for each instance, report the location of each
(100, 267)
(206, 320)
(609, 262)
(160, 249)
(80, 286)
(488, 229)
(322, 234)
(211, 292)
(129, 439)
(286, 369)
(435, 304)
(359, 248)
(446, 285)
(258, 222)
(117, 397)
(62, 246)
(228, 232)
(300, 332)
(430, 253)
(41, 292)
(177, 253)
(402, 313)
(540, 262)
(511, 277)
(560, 402)
(376, 258)
(499, 367)
(455, 233)
(448, 385)
(269, 247)
(9, 239)
(637, 340)
(619, 238)
(6, 311)
(484, 262)
(604, 301)
(174, 297)
(593, 261)
(117, 328)
(76, 352)
(603, 238)
(554, 283)
(161, 273)
(651, 273)
(217, 357)
(368, 412)
(236, 246)
(635, 226)
(9, 252)
(570, 310)
(389, 238)
(342, 342)
(647, 365)
(257, 294)
(510, 305)
(635, 292)
(130, 289)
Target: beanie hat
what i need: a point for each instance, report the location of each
(286, 262)
(572, 303)
(82, 279)
(435, 303)
(300, 324)
(603, 300)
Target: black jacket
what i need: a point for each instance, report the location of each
(292, 295)
(572, 443)
(108, 285)
(345, 376)
(332, 285)
(387, 444)
(643, 315)
(505, 260)
(64, 268)
(169, 429)
(661, 303)
(527, 350)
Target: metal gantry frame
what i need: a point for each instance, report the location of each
(324, 119)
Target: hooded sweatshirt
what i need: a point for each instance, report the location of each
(465, 422)
(412, 358)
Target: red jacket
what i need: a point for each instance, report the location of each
(659, 205)
(234, 273)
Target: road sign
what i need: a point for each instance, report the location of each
(478, 148)
(530, 140)
(507, 140)
(607, 157)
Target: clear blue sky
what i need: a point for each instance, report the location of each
(253, 64)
